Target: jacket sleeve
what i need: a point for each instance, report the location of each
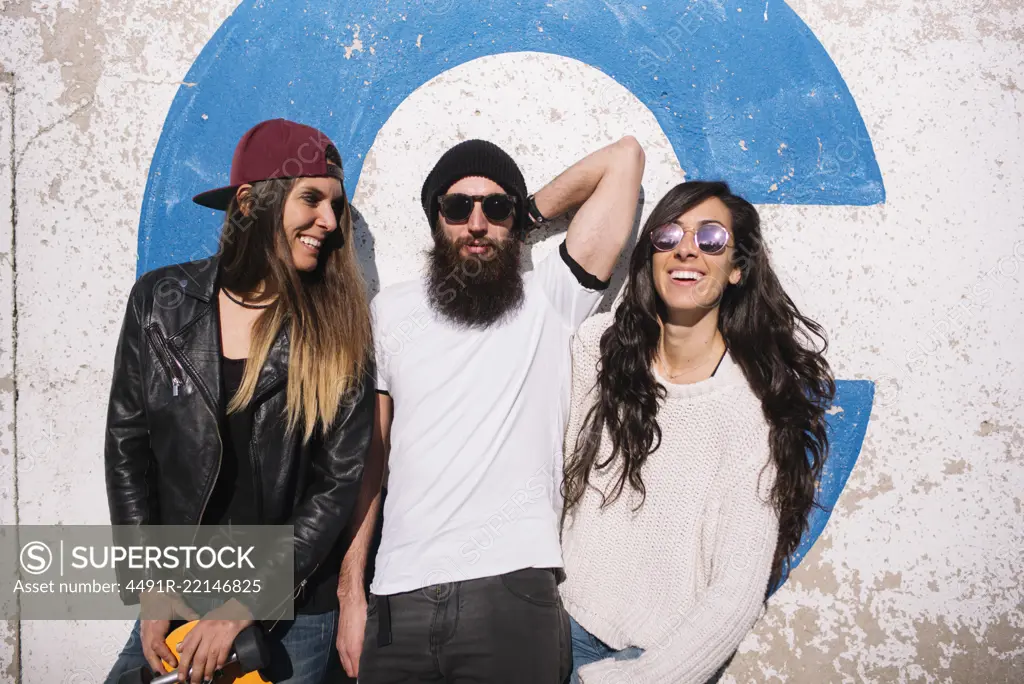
(127, 455)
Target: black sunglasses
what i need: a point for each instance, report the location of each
(457, 207)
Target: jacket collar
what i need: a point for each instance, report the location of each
(199, 278)
(200, 339)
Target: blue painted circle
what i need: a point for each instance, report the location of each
(745, 93)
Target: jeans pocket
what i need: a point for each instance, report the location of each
(370, 629)
(371, 605)
(533, 585)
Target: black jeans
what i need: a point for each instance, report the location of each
(509, 628)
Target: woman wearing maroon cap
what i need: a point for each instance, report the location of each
(243, 394)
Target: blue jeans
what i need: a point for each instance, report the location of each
(302, 651)
(587, 648)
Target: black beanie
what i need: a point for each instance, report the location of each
(473, 158)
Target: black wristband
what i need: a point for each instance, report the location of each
(536, 218)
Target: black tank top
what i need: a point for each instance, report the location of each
(233, 499)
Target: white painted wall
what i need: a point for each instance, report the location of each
(7, 494)
(917, 577)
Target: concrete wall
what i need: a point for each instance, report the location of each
(917, 576)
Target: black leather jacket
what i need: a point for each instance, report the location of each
(163, 442)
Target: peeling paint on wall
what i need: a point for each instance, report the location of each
(916, 578)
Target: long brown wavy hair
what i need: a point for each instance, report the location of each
(326, 311)
(767, 336)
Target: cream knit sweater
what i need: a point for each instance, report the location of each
(683, 577)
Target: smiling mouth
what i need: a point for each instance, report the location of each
(686, 276)
(310, 242)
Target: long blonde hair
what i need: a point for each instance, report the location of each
(326, 311)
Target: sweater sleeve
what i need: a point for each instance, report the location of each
(585, 354)
(705, 636)
(585, 350)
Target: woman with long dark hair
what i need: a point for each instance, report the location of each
(243, 395)
(694, 446)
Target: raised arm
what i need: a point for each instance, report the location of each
(352, 580)
(605, 186)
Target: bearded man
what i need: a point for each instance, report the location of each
(473, 384)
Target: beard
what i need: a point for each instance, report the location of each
(475, 291)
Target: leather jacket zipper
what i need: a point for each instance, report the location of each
(298, 590)
(172, 362)
(216, 475)
(171, 365)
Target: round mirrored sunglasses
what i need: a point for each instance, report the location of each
(711, 238)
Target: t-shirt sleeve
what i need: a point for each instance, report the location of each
(380, 349)
(574, 293)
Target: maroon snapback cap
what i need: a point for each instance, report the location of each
(276, 148)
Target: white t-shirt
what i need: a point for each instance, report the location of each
(476, 435)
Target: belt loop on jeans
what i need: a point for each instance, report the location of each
(383, 621)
